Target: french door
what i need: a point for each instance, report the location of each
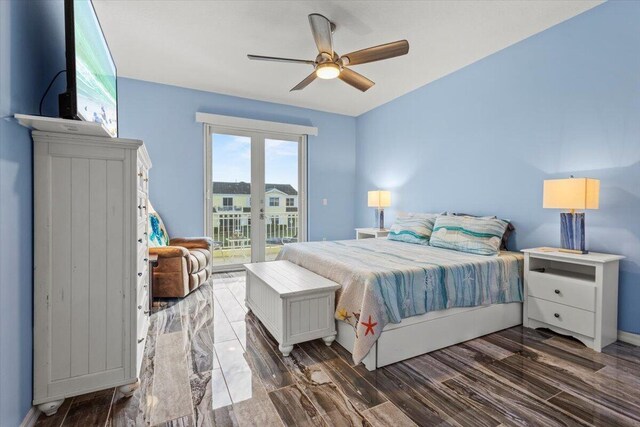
(255, 194)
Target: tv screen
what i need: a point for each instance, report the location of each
(92, 92)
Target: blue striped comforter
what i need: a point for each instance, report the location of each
(384, 281)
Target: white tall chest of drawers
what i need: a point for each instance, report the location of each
(91, 270)
(572, 294)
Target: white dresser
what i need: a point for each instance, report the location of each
(91, 270)
(572, 294)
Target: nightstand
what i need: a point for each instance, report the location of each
(371, 233)
(572, 294)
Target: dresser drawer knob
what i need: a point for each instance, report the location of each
(139, 240)
(139, 206)
(139, 307)
(139, 274)
(140, 340)
(147, 311)
(556, 315)
(146, 180)
(146, 260)
(139, 173)
(557, 291)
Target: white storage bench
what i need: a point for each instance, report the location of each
(293, 303)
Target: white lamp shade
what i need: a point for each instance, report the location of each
(379, 199)
(571, 193)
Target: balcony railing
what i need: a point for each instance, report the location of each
(228, 208)
(233, 230)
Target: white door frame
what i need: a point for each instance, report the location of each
(258, 234)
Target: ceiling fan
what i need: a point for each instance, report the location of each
(329, 65)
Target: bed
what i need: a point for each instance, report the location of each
(399, 300)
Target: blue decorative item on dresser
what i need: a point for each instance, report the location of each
(572, 193)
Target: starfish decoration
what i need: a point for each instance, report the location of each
(467, 277)
(343, 315)
(369, 326)
(429, 281)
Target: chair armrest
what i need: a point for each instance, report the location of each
(169, 251)
(192, 242)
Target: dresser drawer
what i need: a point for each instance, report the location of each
(564, 290)
(142, 276)
(143, 280)
(142, 299)
(143, 322)
(142, 242)
(562, 316)
(142, 178)
(142, 227)
(141, 339)
(143, 258)
(141, 207)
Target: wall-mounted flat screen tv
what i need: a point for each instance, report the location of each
(92, 90)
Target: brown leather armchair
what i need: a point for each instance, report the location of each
(182, 266)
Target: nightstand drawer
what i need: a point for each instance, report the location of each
(569, 318)
(561, 289)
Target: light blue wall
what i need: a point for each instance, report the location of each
(164, 117)
(31, 52)
(482, 140)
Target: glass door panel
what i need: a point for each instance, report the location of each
(281, 211)
(254, 202)
(230, 200)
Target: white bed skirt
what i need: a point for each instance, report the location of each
(421, 334)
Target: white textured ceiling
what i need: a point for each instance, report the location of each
(203, 44)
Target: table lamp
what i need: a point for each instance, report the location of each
(379, 200)
(571, 194)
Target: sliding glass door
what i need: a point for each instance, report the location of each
(255, 194)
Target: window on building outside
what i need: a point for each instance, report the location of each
(290, 201)
(274, 201)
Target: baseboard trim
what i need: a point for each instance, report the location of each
(629, 338)
(31, 417)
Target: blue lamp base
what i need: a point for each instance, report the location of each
(572, 232)
(379, 218)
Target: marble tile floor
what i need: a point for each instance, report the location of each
(209, 363)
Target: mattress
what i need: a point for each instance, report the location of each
(385, 281)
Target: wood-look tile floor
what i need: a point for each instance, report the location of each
(209, 363)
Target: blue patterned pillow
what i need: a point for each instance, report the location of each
(412, 229)
(476, 235)
(157, 232)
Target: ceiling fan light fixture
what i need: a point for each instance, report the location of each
(327, 71)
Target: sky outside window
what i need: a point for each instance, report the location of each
(231, 160)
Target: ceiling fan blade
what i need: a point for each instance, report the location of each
(321, 29)
(356, 80)
(377, 53)
(277, 59)
(311, 77)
